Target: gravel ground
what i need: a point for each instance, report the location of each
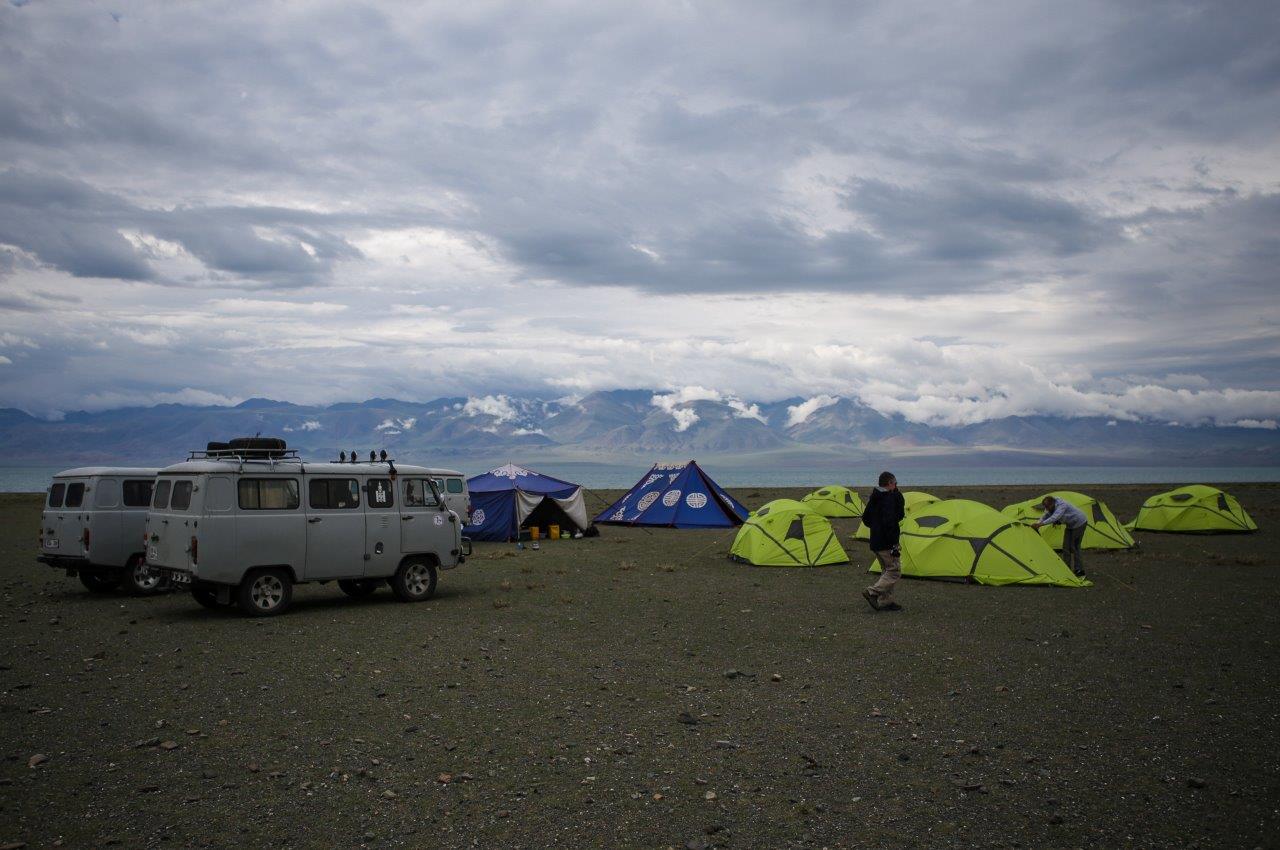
(640, 690)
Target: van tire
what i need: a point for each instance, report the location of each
(265, 593)
(415, 581)
(358, 588)
(140, 581)
(100, 581)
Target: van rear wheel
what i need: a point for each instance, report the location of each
(139, 579)
(358, 588)
(414, 581)
(263, 593)
(100, 581)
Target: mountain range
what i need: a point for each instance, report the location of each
(618, 423)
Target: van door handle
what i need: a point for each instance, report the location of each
(314, 519)
(406, 517)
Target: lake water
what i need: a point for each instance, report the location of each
(34, 479)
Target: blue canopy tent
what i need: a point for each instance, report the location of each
(675, 496)
(509, 498)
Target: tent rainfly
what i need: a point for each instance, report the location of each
(959, 538)
(834, 501)
(678, 495)
(786, 533)
(914, 499)
(509, 498)
(1195, 509)
(1103, 532)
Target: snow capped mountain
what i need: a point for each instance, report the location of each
(671, 423)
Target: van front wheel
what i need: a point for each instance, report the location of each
(265, 592)
(414, 581)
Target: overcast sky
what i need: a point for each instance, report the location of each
(950, 210)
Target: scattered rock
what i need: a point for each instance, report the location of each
(37, 760)
(147, 742)
(444, 778)
(168, 745)
(389, 794)
(1196, 782)
(687, 718)
(710, 796)
(777, 677)
(148, 789)
(738, 674)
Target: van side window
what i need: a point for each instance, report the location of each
(217, 494)
(268, 494)
(161, 500)
(333, 493)
(417, 494)
(137, 494)
(56, 492)
(381, 493)
(181, 499)
(454, 485)
(107, 493)
(75, 494)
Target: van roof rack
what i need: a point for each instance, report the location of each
(245, 454)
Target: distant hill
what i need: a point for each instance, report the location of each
(617, 422)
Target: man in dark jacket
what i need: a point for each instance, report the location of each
(885, 510)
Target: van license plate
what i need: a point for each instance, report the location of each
(51, 543)
(152, 554)
(180, 578)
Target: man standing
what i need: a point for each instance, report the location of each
(1074, 522)
(885, 510)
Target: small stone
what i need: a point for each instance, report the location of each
(687, 718)
(148, 789)
(710, 796)
(1196, 782)
(444, 778)
(1055, 819)
(168, 745)
(193, 732)
(776, 677)
(148, 742)
(37, 760)
(389, 794)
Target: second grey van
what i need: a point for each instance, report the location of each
(92, 524)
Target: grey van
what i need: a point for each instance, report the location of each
(243, 529)
(92, 525)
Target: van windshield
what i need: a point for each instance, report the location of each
(56, 492)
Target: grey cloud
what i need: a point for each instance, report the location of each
(77, 228)
(966, 221)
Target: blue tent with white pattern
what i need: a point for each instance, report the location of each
(676, 496)
(509, 498)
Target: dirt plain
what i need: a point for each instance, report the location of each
(640, 690)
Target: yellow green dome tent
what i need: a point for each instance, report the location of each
(786, 533)
(959, 538)
(835, 501)
(783, 504)
(913, 498)
(1103, 532)
(1196, 509)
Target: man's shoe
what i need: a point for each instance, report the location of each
(892, 606)
(871, 600)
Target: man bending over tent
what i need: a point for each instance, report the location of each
(1060, 511)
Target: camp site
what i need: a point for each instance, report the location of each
(634, 675)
